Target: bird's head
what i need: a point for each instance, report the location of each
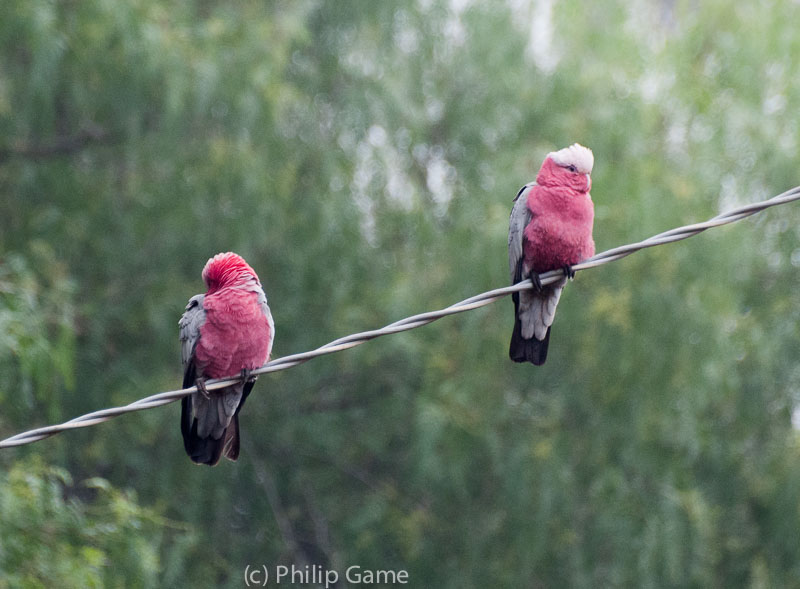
(227, 269)
(570, 167)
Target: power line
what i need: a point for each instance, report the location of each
(350, 341)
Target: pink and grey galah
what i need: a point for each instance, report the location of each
(225, 332)
(550, 228)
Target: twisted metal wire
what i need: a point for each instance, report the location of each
(349, 341)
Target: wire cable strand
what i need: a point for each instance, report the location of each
(408, 323)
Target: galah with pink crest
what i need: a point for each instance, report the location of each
(550, 228)
(225, 332)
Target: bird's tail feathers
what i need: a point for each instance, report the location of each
(201, 449)
(231, 440)
(215, 438)
(528, 350)
(536, 310)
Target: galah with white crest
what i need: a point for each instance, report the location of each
(550, 228)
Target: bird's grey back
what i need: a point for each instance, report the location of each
(520, 217)
(189, 326)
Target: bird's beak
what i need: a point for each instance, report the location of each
(588, 182)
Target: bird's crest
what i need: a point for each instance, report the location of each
(575, 155)
(226, 269)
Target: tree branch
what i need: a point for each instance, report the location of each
(65, 145)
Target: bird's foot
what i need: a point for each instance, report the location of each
(246, 375)
(537, 282)
(568, 271)
(200, 383)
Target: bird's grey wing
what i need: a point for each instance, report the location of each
(203, 420)
(262, 302)
(189, 327)
(534, 310)
(520, 217)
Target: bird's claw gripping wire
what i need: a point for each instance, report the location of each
(536, 281)
(568, 271)
(246, 376)
(200, 383)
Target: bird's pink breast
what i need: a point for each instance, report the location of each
(560, 231)
(235, 335)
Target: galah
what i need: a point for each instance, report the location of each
(225, 332)
(550, 228)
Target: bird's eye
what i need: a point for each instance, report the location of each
(572, 168)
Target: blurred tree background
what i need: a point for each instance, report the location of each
(363, 156)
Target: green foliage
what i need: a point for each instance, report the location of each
(363, 158)
(37, 333)
(55, 532)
